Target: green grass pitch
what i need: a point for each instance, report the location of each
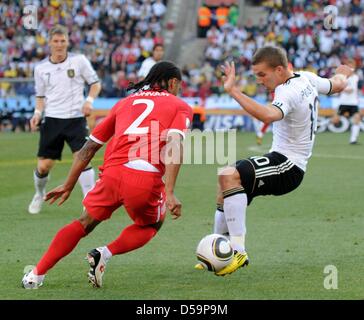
(290, 238)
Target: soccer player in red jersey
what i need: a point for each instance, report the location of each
(146, 131)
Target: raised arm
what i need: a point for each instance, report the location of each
(80, 162)
(267, 114)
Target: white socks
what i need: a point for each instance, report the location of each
(36, 277)
(87, 180)
(106, 253)
(220, 226)
(40, 183)
(235, 215)
(355, 129)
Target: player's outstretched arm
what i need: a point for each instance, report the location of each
(267, 114)
(173, 161)
(80, 162)
(340, 80)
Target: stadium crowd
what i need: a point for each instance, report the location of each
(296, 25)
(116, 35)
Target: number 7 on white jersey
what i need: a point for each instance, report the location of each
(134, 127)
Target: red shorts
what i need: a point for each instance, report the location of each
(140, 192)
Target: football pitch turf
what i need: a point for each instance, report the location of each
(290, 239)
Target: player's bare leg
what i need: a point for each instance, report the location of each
(62, 244)
(41, 177)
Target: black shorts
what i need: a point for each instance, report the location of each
(54, 132)
(345, 109)
(271, 174)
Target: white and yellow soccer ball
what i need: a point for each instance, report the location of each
(214, 252)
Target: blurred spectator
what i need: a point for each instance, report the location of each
(159, 9)
(297, 25)
(233, 16)
(222, 14)
(116, 35)
(204, 20)
(6, 116)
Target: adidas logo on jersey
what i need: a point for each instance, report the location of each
(261, 183)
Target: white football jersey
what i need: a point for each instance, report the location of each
(62, 85)
(147, 64)
(351, 98)
(297, 98)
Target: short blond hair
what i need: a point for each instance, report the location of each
(58, 29)
(273, 56)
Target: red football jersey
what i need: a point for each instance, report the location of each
(139, 125)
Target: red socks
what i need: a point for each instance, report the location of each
(63, 243)
(131, 238)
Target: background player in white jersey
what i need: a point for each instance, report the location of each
(59, 85)
(293, 113)
(148, 63)
(349, 104)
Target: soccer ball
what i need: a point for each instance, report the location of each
(214, 252)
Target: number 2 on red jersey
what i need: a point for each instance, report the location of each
(134, 127)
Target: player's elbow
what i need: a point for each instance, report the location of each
(270, 117)
(271, 113)
(267, 119)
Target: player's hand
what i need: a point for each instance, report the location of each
(174, 206)
(87, 108)
(344, 70)
(34, 122)
(229, 77)
(61, 192)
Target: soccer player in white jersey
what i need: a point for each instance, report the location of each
(349, 104)
(293, 113)
(59, 85)
(148, 63)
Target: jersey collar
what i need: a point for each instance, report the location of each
(49, 58)
(295, 75)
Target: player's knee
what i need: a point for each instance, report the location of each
(219, 196)
(88, 222)
(43, 170)
(157, 225)
(356, 118)
(44, 166)
(229, 178)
